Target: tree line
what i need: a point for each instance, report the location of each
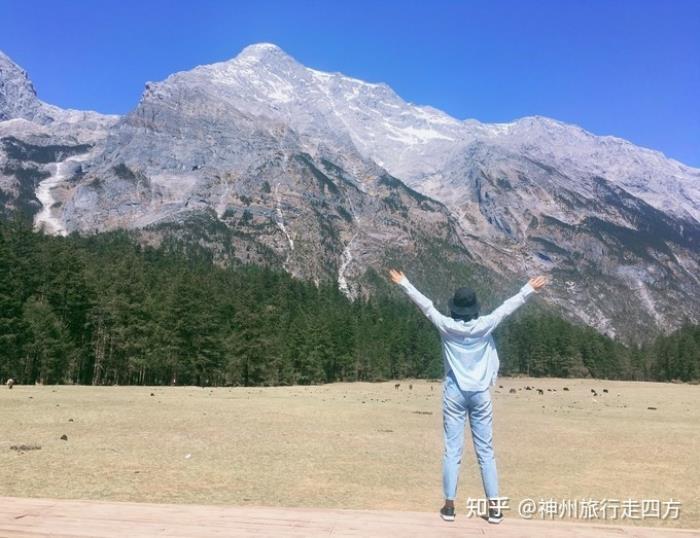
(104, 309)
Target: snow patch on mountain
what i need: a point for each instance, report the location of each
(49, 218)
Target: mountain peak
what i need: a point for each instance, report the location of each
(5, 59)
(262, 51)
(9, 69)
(17, 94)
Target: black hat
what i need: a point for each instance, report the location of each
(464, 302)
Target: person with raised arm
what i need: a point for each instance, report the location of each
(471, 366)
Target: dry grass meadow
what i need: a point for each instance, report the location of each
(359, 445)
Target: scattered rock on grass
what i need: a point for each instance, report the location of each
(24, 448)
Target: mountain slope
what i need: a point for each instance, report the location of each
(275, 162)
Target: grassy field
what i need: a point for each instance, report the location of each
(355, 445)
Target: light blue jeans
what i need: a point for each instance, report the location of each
(457, 405)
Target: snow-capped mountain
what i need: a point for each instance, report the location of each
(412, 142)
(299, 167)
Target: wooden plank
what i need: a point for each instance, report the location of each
(41, 518)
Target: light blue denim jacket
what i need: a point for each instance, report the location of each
(468, 349)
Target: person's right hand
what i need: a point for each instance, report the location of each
(537, 282)
(395, 276)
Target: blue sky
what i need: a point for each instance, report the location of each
(629, 68)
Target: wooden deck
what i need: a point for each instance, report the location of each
(21, 517)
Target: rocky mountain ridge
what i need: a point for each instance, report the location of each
(327, 176)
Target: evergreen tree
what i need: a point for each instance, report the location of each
(103, 309)
(47, 346)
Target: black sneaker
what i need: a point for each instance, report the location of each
(495, 516)
(447, 513)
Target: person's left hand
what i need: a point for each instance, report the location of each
(396, 276)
